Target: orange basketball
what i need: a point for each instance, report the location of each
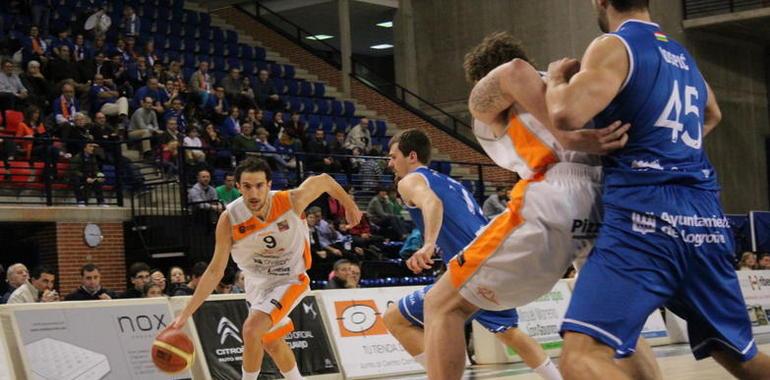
(172, 351)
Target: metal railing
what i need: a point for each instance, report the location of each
(402, 96)
(703, 8)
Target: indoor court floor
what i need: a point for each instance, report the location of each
(676, 362)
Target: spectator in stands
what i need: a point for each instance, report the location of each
(195, 155)
(197, 272)
(296, 129)
(412, 243)
(90, 286)
(359, 136)
(171, 133)
(34, 46)
(202, 83)
(149, 54)
(62, 67)
(177, 279)
(203, 197)
(319, 254)
(102, 23)
(41, 13)
(227, 191)
(169, 158)
(62, 39)
(144, 125)
(75, 135)
(177, 111)
(239, 286)
(370, 168)
(106, 99)
(495, 203)
(320, 159)
(276, 125)
(79, 49)
(37, 86)
(16, 276)
(39, 287)
(338, 145)
(232, 125)
(225, 285)
(253, 116)
(101, 130)
(245, 142)
(86, 176)
(98, 64)
(748, 261)
(356, 161)
(158, 278)
(139, 75)
(26, 129)
(152, 290)
(151, 90)
(248, 99)
(174, 73)
(270, 152)
(354, 275)
(139, 274)
(266, 93)
(100, 46)
(764, 261)
(66, 106)
(340, 275)
(380, 214)
(233, 84)
(217, 107)
(130, 24)
(12, 91)
(331, 240)
(131, 49)
(285, 147)
(216, 147)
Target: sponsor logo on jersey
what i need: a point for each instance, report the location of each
(643, 223)
(283, 226)
(276, 304)
(585, 229)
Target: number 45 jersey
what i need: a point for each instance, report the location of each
(272, 250)
(664, 98)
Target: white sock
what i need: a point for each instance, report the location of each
(548, 370)
(249, 375)
(420, 359)
(293, 374)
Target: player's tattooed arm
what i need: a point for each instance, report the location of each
(489, 102)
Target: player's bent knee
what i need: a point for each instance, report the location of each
(256, 326)
(393, 318)
(273, 346)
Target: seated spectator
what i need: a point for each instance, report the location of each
(232, 84)
(76, 135)
(132, 51)
(158, 278)
(171, 133)
(227, 191)
(101, 130)
(196, 273)
(195, 154)
(202, 83)
(320, 158)
(748, 261)
(225, 285)
(130, 23)
(217, 107)
(37, 86)
(152, 290)
(151, 90)
(248, 99)
(62, 67)
(764, 261)
(244, 142)
(232, 125)
(253, 116)
(62, 39)
(371, 169)
(333, 241)
(362, 236)
(285, 148)
(340, 275)
(380, 214)
(177, 111)
(90, 286)
(16, 276)
(239, 286)
(359, 136)
(216, 147)
(66, 106)
(46, 147)
(266, 93)
(144, 125)
(354, 275)
(34, 46)
(169, 158)
(80, 51)
(102, 24)
(269, 151)
(296, 130)
(174, 73)
(12, 91)
(356, 161)
(86, 176)
(106, 99)
(495, 204)
(100, 45)
(412, 244)
(276, 125)
(39, 287)
(139, 274)
(177, 279)
(149, 53)
(337, 147)
(203, 197)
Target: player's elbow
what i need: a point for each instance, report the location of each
(564, 118)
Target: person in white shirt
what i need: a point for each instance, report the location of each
(39, 288)
(193, 141)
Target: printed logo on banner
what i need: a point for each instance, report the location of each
(227, 328)
(308, 308)
(359, 318)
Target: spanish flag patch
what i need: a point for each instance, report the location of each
(661, 37)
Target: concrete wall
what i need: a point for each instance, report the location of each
(550, 29)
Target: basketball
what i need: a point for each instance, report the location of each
(172, 351)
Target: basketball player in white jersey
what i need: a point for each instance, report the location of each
(552, 217)
(268, 238)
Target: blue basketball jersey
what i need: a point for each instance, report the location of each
(462, 215)
(664, 99)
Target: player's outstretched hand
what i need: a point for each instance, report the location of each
(353, 216)
(599, 141)
(422, 259)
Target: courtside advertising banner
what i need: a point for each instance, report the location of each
(91, 340)
(755, 286)
(354, 318)
(654, 330)
(219, 325)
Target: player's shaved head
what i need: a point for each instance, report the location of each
(496, 49)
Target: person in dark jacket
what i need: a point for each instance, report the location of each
(91, 287)
(140, 276)
(86, 175)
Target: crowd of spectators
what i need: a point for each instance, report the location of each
(754, 261)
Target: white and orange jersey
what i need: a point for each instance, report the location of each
(527, 147)
(275, 249)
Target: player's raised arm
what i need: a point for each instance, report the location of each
(314, 186)
(415, 192)
(577, 92)
(214, 272)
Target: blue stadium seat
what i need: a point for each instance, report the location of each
(191, 17)
(267, 116)
(147, 12)
(233, 63)
(246, 52)
(187, 72)
(145, 27)
(177, 4)
(218, 76)
(276, 70)
(177, 16)
(232, 37)
(159, 40)
(381, 128)
(292, 88)
(337, 108)
(295, 104)
(280, 86)
(248, 68)
(327, 124)
(205, 19)
(204, 46)
(172, 55)
(164, 12)
(322, 106)
(259, 53)
(313, 122)
(288, 71)
(231, 50)
(202, 57)
(261, 65)
(308, 105)
(217, 34)
(305, 89)
(350, 108)
(341, 124)
(191, 30)
(190, 45)
(219, 48)
(319, 89)
(342, 179)
(176, 29)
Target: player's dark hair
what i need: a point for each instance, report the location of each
(135, 268)
(496, 49)
(199, 269)
(628, 5)
(88, 268)
(252, 165)
(413, 140)
(38, 271)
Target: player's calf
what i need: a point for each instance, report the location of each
(585, 358)
(755, 368)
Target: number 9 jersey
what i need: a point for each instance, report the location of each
(664, 98)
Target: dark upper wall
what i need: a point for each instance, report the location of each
(443, 31)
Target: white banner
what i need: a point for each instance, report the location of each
(6, 371)
(365, 347)
(755, 286)
(655, 330)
